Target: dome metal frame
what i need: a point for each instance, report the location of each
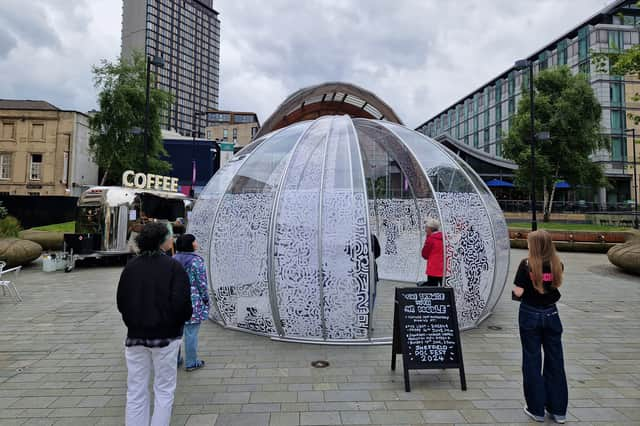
(432, 181)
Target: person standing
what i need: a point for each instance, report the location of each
(536, 286)
(153, 297)
(433, 252)
(195, 267)
(375, 248)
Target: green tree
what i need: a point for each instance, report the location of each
(566, 107)
(113, 144)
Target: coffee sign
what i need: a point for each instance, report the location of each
(131, 179)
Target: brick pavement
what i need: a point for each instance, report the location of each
(61, 362)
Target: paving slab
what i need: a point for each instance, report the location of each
(62, 362)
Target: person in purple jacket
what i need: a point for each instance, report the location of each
(195, 267)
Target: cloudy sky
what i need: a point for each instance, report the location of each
(418, 55)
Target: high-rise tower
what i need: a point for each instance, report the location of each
(186, 33)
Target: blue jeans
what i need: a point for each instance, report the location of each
(544, 385)
(191, 344)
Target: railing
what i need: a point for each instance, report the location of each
(568, 207)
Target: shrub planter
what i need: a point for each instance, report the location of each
(627, 256)
(578, 241)
(15, 251)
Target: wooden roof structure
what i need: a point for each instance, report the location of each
(331, 98)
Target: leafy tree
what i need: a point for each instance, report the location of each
(566, 107)
(113, 144)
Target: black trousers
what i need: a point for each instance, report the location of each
(434, 281)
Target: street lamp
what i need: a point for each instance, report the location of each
(635, 177)
(193, 149)
(520, 65)
(158, 61)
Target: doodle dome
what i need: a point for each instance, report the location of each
(286, 226)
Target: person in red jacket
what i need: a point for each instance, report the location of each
(433, 252)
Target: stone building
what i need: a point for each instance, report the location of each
(232, 130)
(44, 150)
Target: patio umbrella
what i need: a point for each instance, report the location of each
(497, 183)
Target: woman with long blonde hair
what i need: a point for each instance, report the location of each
(536, 285)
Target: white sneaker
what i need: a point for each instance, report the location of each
(557, 418)
(535, 418)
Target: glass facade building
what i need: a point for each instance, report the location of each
(482, 118)
(186, 33)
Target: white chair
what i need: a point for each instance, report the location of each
(8, 286)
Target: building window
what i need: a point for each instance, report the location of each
(618, 149)
(225, 134)
(65, 167)
(583, 43)
(512, 106)
(584, 67)
(5, 166)
(615, 92)
(235, 133)
(615, 41)
(543, 62)
(8, 131)
(35, 169)
(476, 140)
(37, 132)
(617, 117)
(562, 52)
(511, 89)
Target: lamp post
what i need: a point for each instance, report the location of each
(520, 65)
(193, 155)
(158, 61)
(635, 177)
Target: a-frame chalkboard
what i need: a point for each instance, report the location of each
(425, 331)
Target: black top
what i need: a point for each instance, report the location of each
(154, 297)
(531, 296)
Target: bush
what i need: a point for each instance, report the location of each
(9, 227)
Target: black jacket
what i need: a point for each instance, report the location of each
(154, 297)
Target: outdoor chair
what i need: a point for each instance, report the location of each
(7, 285)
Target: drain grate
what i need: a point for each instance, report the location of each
(320, 364)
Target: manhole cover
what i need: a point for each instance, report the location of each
(494, 327)
(320, 364)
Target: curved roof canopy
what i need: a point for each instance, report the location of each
(331, 98)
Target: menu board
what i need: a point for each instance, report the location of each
(425, 330)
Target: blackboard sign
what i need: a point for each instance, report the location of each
(425, 331)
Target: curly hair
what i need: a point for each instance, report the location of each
(185, 243)
(152, 236)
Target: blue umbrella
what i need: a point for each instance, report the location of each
(497, 183)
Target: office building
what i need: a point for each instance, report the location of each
(191, 157)
(479, 121)
(44, 150)
(232, 130)
(186, 34)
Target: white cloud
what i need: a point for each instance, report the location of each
(418, 55)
